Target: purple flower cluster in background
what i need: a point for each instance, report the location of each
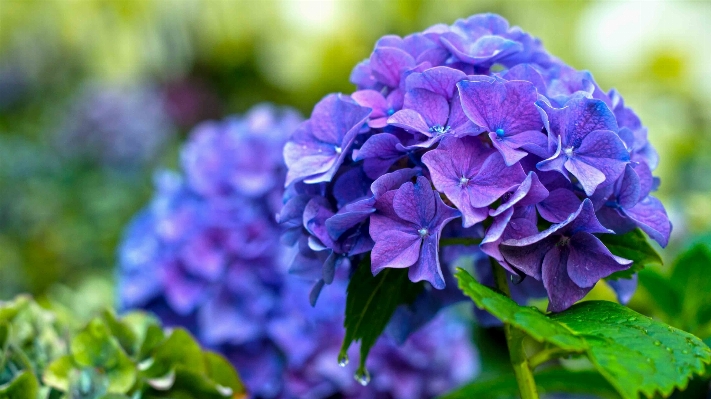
(205, 255)
(473, 121)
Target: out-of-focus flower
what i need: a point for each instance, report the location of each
(115, 126)
(205, 255)
(503, 130)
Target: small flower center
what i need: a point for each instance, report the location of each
(338, 149)
(463, 181)
(563, 241)
(439, 129)
(568, 151)
(500, 132)
(423, 232)
(390, 112)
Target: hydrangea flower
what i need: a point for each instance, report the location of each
(205, 255)
(522, 145)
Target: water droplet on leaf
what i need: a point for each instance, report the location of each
(362, 376)
(343, 360)
(632, 319)
(657, 343)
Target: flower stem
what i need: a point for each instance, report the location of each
(547, 355)
(514, 340)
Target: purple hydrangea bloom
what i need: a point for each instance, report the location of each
(588, 146)
(204, 254)
(510, 136)
(319, 146)
(567, 257)
(407, 229)
(203, 250)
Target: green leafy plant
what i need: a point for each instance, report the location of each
(109, 358)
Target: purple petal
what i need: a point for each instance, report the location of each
(416, 202)
(590, 260)
(427, 267)
(605, 151)
(629, 188)
(562, 291)
(560, 204)
(588, 176)
(585, 220)
(579, 117)
(349, 216)
(441, 80)
(410, 120)
(509, 106)
(379, 153)
(362, 76)
(389, 63)
(507, 149)
(528, 258)
(650, 216)
(392, 181)
(486, 50)
(528, 73)
(531, 191)
(624, 288)
(395, 249)
(433, 107)
(493, 180)
(335, 117)
(371, 99)
(458, 121)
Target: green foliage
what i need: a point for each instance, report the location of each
(370, 304)
(548, 381)
(109, 358)
(634, 353)
(684, 297)
(633, 246)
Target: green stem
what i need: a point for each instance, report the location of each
(445, 242)
(514, 340)
(547, 355)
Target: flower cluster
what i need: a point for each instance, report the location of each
(473, 121)
(205, 255)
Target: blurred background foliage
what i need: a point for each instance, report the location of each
(95, 94)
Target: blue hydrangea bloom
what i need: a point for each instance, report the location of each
(506, 133)
(205, 255)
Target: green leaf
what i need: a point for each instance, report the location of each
(221, 372)
(633, 246)
(370, 304)
(664, 294)
(548, 381)
(23, 386)
(692, 280)
(179, 349)
(633, 352)
(123, 333)
(95, 347)
(57, 374)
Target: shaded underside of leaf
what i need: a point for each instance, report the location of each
(633, 246)
(371, 302)
(548, 382)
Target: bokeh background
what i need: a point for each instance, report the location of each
(95, 94)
